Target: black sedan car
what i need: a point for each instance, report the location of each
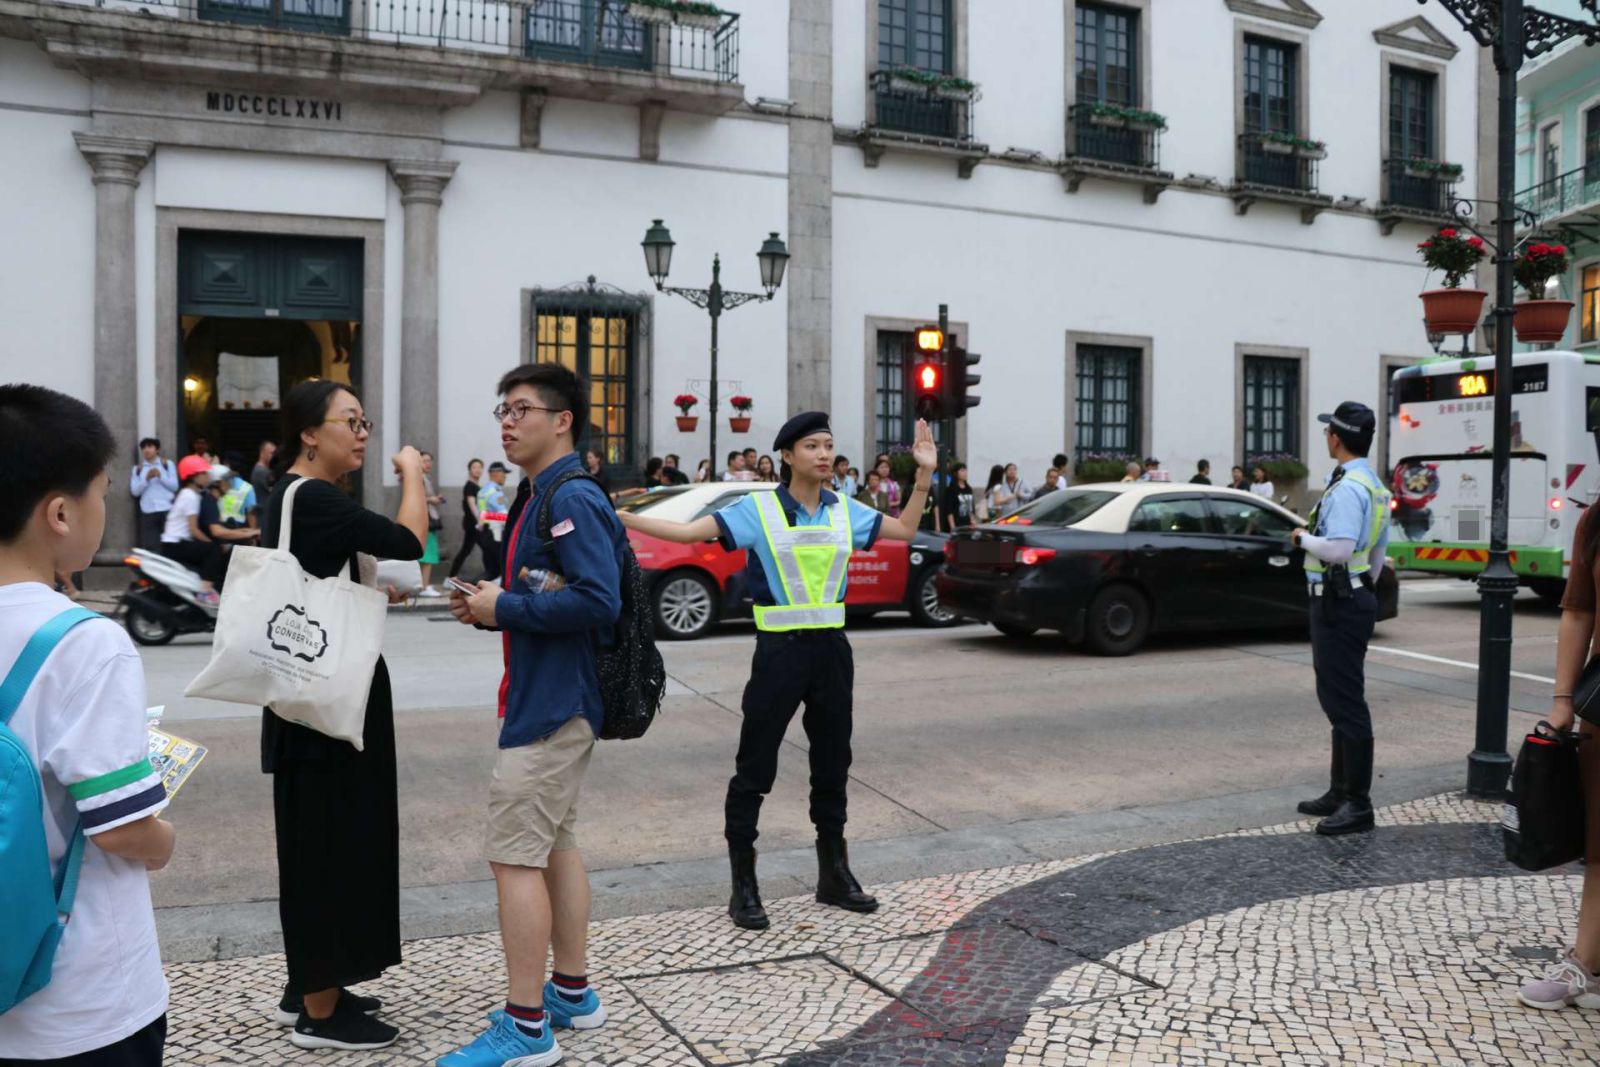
(1110, 564)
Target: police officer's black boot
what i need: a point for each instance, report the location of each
(1328, 803)
(835, 884)
(744, 906)
(1355, 811)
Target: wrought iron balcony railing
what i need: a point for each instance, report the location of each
(1566, 194)
(609, 33)
(1110, 139)
(1274, 165)
(921, 111)
(1408, 185)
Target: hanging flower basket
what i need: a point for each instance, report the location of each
(1541, 322)
(739, 423)
(1450, 311)
(685, 403)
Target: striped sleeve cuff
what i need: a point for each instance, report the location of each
(120, 797)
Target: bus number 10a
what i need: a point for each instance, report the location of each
(1474, 385)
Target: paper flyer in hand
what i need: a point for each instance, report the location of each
(173, 757)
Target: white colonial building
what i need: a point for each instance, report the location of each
(1129, 216)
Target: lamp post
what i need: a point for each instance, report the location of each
(1515, 31)
(773, 256)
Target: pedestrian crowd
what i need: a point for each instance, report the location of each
(84, 803)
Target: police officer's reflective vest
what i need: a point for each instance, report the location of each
(232, 504)
(1379, 496)
(811, 562)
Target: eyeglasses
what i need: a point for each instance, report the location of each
(519, 411)
(358, 426)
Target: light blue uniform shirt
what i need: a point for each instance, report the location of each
(155, 494)
(1345, 514)
(740, 524)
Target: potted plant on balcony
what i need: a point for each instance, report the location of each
(683, 12)
(1287, 144)
(1092, 468)
(1417, 167)
(953, 88)
(1286, 472)
(1452, 309)
(908, 79)
(740, 423)
(1537, 320)
(1117, 116)
(685, 403)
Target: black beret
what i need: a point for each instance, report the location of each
(802, 425)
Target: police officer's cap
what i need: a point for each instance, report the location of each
(1352, 417)
(497, 466)
(801, 426)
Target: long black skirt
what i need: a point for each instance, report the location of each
(338, 823)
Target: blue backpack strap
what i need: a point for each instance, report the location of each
(12, 690)
(34, 653)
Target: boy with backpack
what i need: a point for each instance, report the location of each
(566, 560)
(80, 968)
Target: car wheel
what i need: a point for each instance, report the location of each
(685, 606)
(1119, 621)
(1013, 630)
(148, 631)
(924, 602)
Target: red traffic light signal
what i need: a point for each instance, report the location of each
(927, 384)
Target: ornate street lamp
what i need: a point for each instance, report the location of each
(773, 258)
(1515, 31)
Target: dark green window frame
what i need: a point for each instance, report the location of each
(1271, 86)
(1413, 111)
(916, 33)
(1106, 56)
(1271, 405)
(1591, 144)
(1108, 399)
(594, 32)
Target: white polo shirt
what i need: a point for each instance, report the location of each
(83, 720)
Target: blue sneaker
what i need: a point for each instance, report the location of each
(503, 1045)
(587, 1014)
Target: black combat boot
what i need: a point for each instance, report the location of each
(1328, 803)
(835, 884)
(1355, 810)
(744, 906)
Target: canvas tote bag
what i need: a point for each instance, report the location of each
(304, 647)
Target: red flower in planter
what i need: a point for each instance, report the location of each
(685, 401)
(1447, 233)
(741, 404)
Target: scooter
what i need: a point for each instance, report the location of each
(164, 600)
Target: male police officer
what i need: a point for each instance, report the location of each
(799, 538)
(1343, 561)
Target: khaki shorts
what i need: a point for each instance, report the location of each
(533, 800)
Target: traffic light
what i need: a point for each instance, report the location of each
(930, 340)
(927, 388)
(962, 380)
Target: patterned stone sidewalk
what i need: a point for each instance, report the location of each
(1268, 946)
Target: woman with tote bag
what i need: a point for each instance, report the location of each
(337, 808)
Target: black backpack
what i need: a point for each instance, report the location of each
(633, 679)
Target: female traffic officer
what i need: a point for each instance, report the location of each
(799, 538)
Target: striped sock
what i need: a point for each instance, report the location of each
(570, 989)
(529, 1020)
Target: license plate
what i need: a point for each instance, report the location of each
(986, 553)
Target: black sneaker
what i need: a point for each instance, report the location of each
(346, 1028)
(287, 1013)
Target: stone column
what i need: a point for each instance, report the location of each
(421, 185)
(115, 163)
(809, 282)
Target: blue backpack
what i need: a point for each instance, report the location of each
(35, 903)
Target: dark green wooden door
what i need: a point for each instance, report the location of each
(245, 275)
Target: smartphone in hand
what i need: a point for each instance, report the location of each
(464, 588)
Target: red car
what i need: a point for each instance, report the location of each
(693, 587)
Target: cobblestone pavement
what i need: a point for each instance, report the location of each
(1268, 946)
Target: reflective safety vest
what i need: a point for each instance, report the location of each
(1379, 497)
(811, 562)
(232, 503)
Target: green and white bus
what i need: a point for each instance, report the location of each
(1441, 433)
